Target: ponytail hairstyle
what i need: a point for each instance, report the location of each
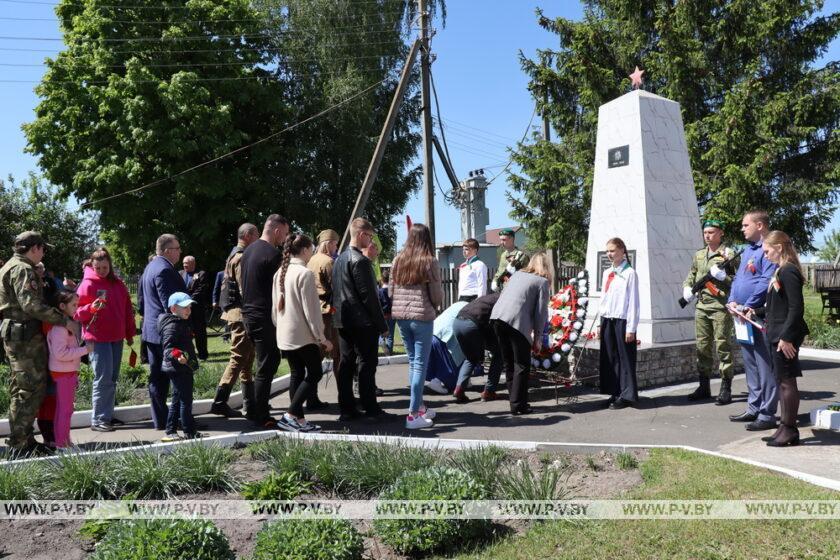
(293, 246)
(63, 297)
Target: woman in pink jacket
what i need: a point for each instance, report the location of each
(107, 317)
(64, 360)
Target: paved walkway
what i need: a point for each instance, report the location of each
(663, 417)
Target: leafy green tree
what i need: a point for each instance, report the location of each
(35, 205)
(145, 91)
(761, 120)
(831, 247)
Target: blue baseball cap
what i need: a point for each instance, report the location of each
(180, 299)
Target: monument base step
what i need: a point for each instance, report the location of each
(656, 364)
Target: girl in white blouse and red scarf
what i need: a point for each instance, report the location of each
(619, 313)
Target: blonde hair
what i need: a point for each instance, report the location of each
(359, 225)
(540, 266)
(788, 251)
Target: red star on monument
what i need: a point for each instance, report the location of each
(636, 78)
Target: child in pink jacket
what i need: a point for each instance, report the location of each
(65, 355)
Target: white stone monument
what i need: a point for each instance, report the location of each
(643, 192)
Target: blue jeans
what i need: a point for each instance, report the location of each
(182, 400)
(417, 337)
(388, 341)
(105, 360)
(763, 392)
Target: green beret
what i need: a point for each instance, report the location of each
(712, 223)
(506, 232)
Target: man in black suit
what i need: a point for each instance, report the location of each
(198, 287)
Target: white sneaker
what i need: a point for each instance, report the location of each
(427, 413)
(417, 422)
(437, 386)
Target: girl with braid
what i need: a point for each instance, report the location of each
(296, 312)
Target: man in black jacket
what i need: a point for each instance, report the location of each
(359, 320)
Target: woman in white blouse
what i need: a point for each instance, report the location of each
(619, 313)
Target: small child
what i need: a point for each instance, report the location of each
(179, 362)
(65, 355)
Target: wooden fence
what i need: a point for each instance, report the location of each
(822, 276)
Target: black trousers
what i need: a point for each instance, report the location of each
(516, 358)
(359, 349)
(618, 361)
(306, 372)
(263, 334)
(198, 321)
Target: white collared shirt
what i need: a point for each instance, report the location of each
(472, 278)
(621, 301)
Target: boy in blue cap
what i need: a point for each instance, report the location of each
(179, 363)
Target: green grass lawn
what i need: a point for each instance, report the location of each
(676, 474)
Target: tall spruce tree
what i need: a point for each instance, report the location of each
(761, 119)
(145, 90)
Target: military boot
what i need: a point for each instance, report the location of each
(249, 404)
(725, 395)
(703, 391)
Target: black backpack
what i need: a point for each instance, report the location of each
(230, 296)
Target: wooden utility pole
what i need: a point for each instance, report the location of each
(426, 100)
(550, 252)
(387, 130)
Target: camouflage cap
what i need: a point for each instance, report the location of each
(507, 232)
(29, 239)
(327, 235)
(712, 223)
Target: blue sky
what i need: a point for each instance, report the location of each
(483, 92)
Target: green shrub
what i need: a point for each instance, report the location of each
(483, 463)
(276, 486)
(626, 461)
(81, 477)
(23, 482)
(414, 536)
(287, 454)
(5, 397)
(143, 475)
(520, 482)
(203, 467)
(96, 529)
(316, 539)
(365, 469)
(163, 539)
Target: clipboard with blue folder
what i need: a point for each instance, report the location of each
(744, 332)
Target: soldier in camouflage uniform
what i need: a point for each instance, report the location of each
(23, 309)
(511, 259)
(712, 322)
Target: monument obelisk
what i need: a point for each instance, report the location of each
(643, 192)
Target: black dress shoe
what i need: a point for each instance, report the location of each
(760, 426)
(527, 409)
(620, 403)
(609, 402)
(743, 417)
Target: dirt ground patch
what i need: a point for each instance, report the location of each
(590, 476)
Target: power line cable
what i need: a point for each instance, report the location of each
(266, 35)
(267, 76)
(524, 135)
(172, 51)
(450, 121)
(474, 138)
(117, 6)
(240, 149)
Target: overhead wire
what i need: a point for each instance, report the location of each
(172, 51)
(173, 38)
(237, 150)
(524, 136)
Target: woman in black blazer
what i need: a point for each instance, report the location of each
(784, 314)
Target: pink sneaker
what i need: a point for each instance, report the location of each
(417, 422)
(427, 413)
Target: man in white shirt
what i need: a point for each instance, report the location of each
(472, 274)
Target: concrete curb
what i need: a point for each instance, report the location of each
(430, 443)
(142, 412)
(819, 354)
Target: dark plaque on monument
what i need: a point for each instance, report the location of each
(604, 263)
(618, 157)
